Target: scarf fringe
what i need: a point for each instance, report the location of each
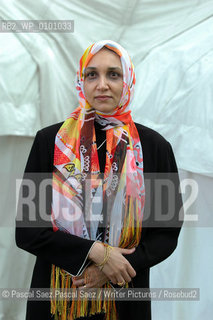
(131, 233)
(70, 309)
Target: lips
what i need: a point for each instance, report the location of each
(102, 98)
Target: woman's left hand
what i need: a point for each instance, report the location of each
(92, 277)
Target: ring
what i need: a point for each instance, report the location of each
(120, 284)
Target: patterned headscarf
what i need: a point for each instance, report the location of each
(121, 191)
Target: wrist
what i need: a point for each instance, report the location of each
(107, 249)
(97, 252)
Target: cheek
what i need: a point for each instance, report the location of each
(87, 90)
(119, 89)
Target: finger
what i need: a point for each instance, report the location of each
(79, 282)
(83, 287)
(131, 271)
(126, 277)
(86, 286)
(89, 285)
(113, 280)
(77, 278)
(77, 285)
(127, 251)
(121, 282)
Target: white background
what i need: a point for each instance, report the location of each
(171, 45)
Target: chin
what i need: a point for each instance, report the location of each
(104, 109)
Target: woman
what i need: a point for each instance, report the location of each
(90, 243)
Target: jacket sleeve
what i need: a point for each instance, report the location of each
(162, 223)
(34, 231)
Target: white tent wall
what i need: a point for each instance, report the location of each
(171, 45)
(191, 265)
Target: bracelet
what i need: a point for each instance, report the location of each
(106, 256)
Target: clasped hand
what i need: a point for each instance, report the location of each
(117, 269)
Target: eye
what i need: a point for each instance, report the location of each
(90, 75)
(114, 74)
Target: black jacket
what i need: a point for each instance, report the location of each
(158, 240)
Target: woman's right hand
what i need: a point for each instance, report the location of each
(117, 268)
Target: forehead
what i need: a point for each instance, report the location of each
(105, 58)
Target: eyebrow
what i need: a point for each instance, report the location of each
(110, 68)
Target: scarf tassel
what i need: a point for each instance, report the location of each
(70, 309)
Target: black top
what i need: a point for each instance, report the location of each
(158, 240)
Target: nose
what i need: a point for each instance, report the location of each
(102, 83)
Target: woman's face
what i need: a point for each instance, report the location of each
(103, 81)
